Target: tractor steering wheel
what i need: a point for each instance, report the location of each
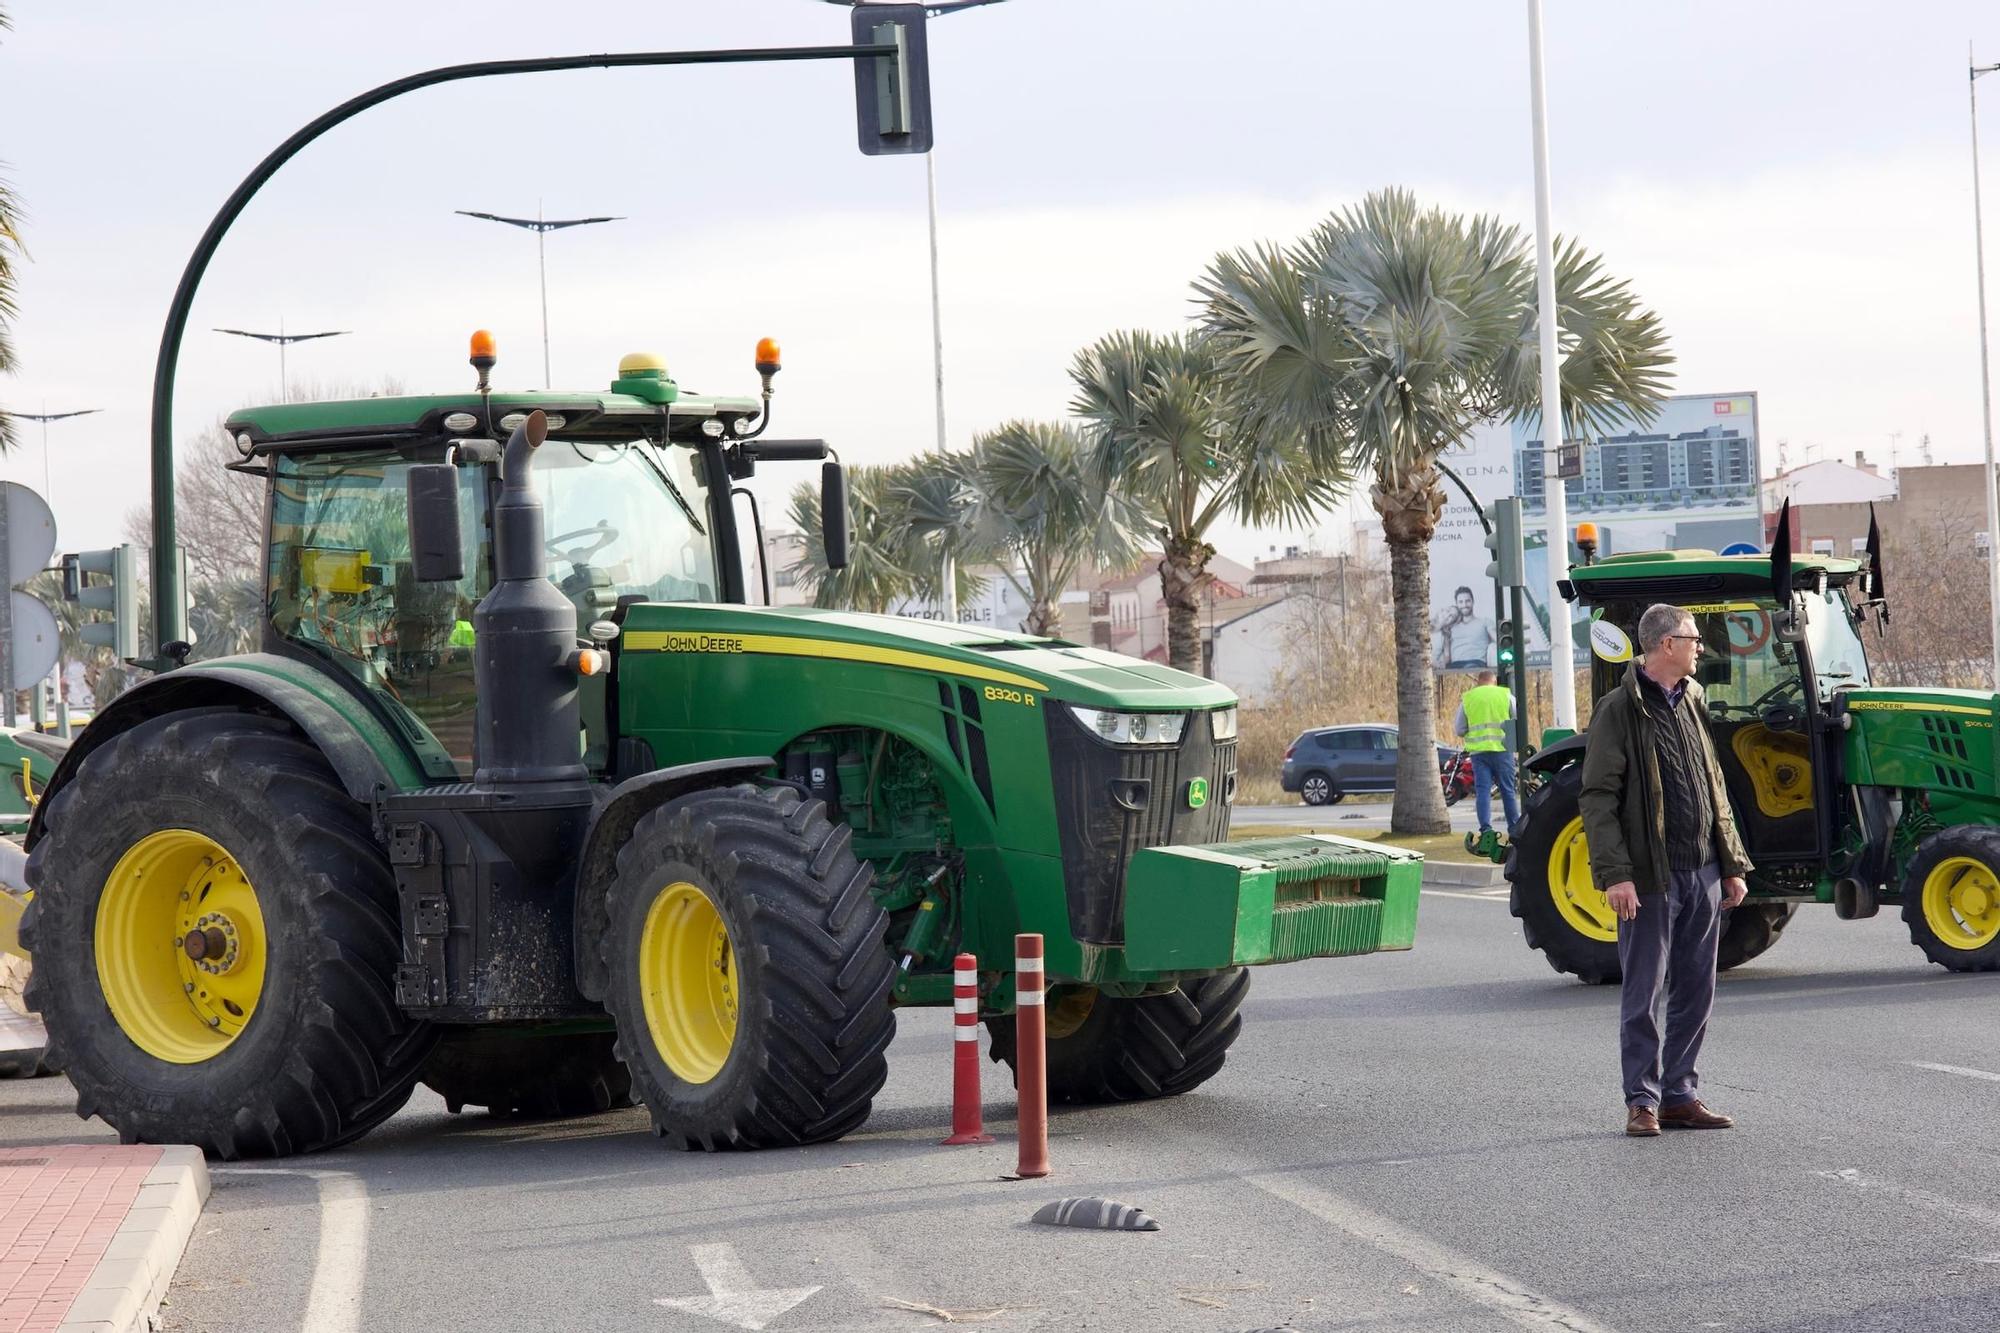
(1789, 685)
(604, 532)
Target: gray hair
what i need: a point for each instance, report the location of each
(1660, 620)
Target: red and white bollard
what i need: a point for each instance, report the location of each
(1031, 1057)
(965, 1108)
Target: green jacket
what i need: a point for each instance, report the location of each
(1624, 811)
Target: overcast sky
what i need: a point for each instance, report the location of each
(1788, 183)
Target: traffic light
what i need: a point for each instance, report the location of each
(1508, 644)
(119, 596)
(1508, 568)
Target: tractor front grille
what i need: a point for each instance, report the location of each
(1113, 800)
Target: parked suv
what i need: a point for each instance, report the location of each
(1325, 764)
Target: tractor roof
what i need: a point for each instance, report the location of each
(364, 422)
(1678, 575)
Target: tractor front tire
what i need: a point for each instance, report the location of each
(535, 1075)
(749, 978)
(1102, 1049)
(1749, 930)
(1951, 898)
(1562, 912)
(215, 940)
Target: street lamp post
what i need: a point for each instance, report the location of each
(541, 227)
(1562, 665)
(48, 486)
(284, 340)
(1985, 374)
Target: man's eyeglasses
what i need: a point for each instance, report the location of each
(1690, 638)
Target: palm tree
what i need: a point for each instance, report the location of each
(932, 497)
(1188, 446)
(10, 253)
(875, 578)
(1396, 330)
(1042, 505)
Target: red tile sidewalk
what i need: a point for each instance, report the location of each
(60, 1208)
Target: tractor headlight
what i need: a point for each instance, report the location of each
(1132, 728)
(1222, 724)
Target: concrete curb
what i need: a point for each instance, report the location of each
(124, 1291)
(1463, 876)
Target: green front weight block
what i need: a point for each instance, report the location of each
(1268, 900)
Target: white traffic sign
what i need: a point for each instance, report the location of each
(35, 640)
(31, 531)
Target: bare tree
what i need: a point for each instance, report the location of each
(1937, 633)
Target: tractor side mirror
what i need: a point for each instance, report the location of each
(436, 555)
(833, 513)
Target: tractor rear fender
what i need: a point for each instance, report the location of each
(629, 802)
(362, 751)
(1553, 759)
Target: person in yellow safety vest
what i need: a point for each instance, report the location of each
(1485, 717)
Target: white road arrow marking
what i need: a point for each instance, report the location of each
(732, 1297)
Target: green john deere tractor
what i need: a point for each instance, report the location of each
(1845, 793)
(524, 798)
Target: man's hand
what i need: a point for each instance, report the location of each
(1733, 889)
(1624, 899)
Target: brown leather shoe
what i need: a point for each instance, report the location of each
(1641, 1123)
(1692, 1115)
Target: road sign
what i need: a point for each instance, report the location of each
(30, 528)
(1741, 548)
(36, 641)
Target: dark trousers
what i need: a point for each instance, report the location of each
(1670, 945)
(1490, 769)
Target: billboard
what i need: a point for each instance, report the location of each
(1687, 478)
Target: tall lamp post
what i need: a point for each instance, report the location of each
(284, 340)
(541, 227)
(1985, 373)
(949, 574)
(48, 486)
(930, 191)
(1562, 663)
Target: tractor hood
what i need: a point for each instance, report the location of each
(1052, 667)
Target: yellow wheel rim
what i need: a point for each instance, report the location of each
(1962, 902)
(687, 967)
(181, 946)
(1576, 895)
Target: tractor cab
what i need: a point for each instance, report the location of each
(1772, 676)
(640, 506)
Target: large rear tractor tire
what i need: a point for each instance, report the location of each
(1102, 1049)
(532, 1074)
(1951, 898)
(215, 940)
(1561, 909)
(748, 973)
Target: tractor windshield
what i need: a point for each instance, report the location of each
(1838, 657)
(1743, 666)
(625, 519)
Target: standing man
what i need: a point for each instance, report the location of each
(1484, 715)
(1664, 848)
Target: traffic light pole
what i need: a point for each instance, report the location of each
(1520, 680)
(167, 592)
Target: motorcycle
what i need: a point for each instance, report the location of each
(1456, 775)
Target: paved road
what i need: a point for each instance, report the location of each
(1418, 1141)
